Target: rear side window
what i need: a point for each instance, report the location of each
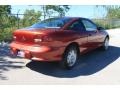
(89, 26)
(76, 26)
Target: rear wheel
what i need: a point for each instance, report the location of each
(70, 57)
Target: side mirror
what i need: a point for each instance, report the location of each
(100, 28)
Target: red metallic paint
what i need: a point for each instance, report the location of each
(53, 48)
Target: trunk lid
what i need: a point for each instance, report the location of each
(28, 35)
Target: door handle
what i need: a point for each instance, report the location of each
(90, 34)
(95, 31)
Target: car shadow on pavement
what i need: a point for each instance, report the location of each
(6, 64)
(89, 64)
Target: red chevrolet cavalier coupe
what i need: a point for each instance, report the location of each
(59, 39)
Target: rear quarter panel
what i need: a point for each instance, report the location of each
(63, 38)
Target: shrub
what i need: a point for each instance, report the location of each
(106, 23)
(6, 35)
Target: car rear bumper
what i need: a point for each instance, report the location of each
(36, 52)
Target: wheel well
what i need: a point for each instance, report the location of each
(73, 44)
(107, 37)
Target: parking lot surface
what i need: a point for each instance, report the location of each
(96, 67)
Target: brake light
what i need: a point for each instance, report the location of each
(43, 39)
(37, 40)
(14, 37)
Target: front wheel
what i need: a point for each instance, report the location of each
(106, 44)
(70, 57)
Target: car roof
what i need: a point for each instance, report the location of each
(71, 17)
(68, 17)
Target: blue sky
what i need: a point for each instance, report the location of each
(87, 11)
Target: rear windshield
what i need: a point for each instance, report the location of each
(51, 23)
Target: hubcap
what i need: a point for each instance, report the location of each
(106, 44)
(71, 58)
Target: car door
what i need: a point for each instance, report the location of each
(78, 29)
(92, 32)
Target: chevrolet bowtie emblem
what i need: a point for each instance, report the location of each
(23, 38)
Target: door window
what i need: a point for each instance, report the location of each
(77, 26)
(89, 26)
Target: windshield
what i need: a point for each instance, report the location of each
(51, 23)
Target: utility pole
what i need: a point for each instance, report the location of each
(44, 11)
(18, 18)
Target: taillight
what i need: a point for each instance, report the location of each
(42, 39)
(14, 37)
(37, 40)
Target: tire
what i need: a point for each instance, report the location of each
(70, 57)
(105, 44)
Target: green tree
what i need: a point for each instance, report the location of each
(13, 21)
(5, 10)
(31, 17)
(7, 21)
(50, 10)
(113, 11)
(112, 18)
